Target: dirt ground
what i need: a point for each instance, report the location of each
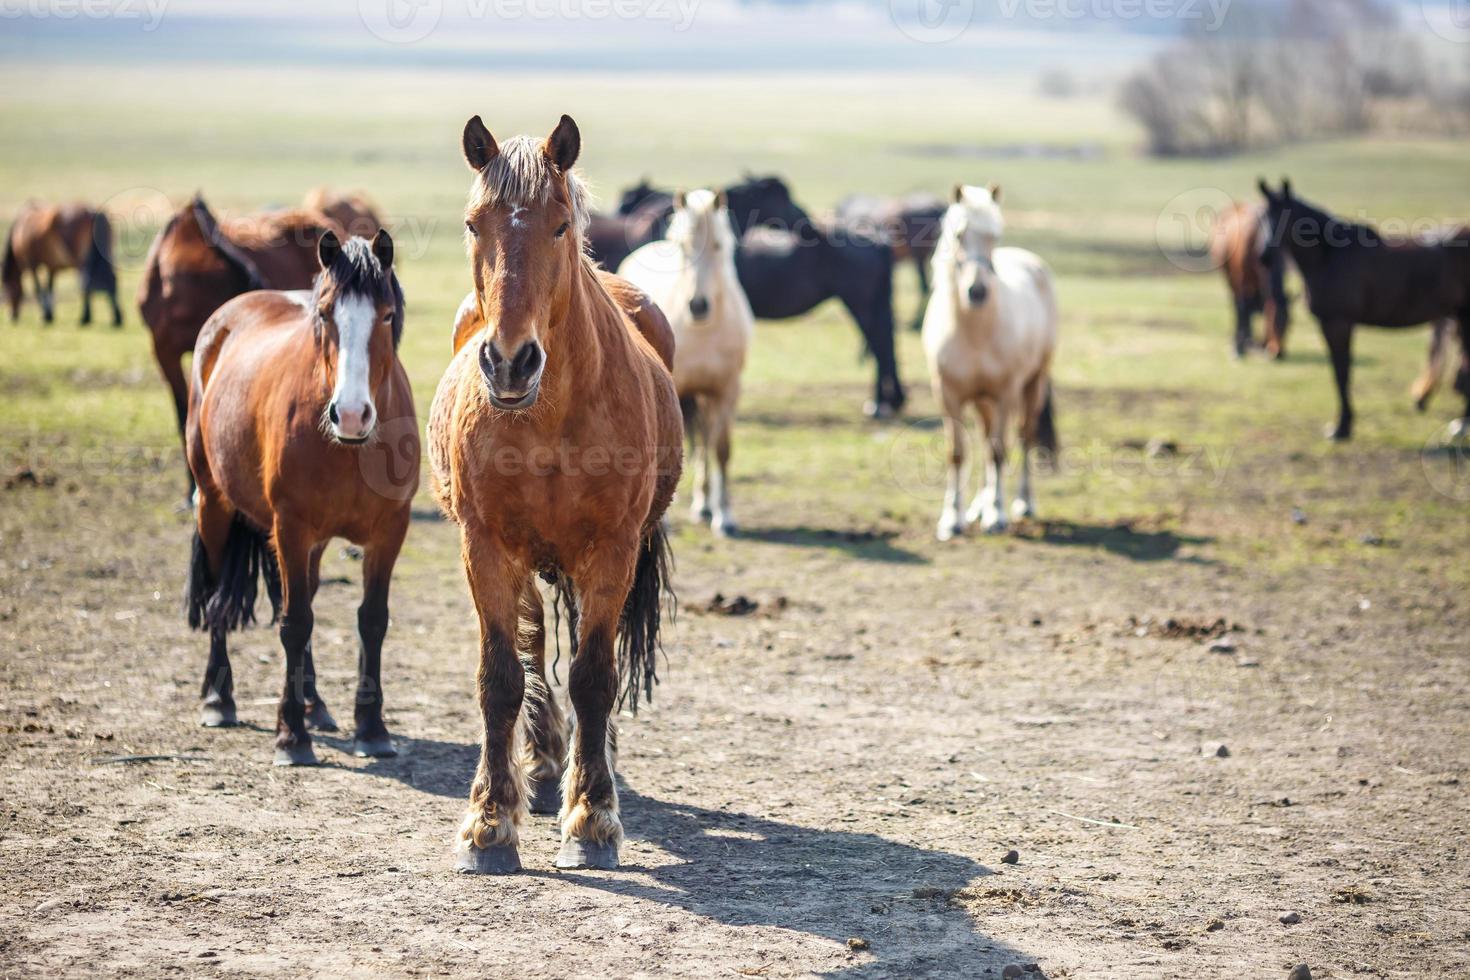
(825, 785)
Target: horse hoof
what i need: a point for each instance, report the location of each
(502, 859)
(576, 853)
(1022, 510)
(1339, 434)
(546, 798)
(378, 747)
(218, 715)
(726, 529)
(994, 526)
(318, 717)
(295, 755)
(948, 532)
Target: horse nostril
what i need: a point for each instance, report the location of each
(699, 306)
(332, 414)
(528, 359)
(978, 293)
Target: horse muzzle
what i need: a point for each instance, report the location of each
(351, 424)
(513, 384)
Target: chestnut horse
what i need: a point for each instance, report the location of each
(196, 264)
(1255, 276)
(290, 393)
(352, 213)
(554, 442)
(1355, 274)
(72, 236)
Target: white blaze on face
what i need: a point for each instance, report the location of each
(352, 398)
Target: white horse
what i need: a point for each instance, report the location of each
(691, 275)
(990, 332)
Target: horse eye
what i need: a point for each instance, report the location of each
(562, 230)
(388, 317)
(469, 227)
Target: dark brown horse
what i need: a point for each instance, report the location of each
(555, 443)
(196, 264)
(352, 212)
(50, 238)
(1354, 274)
(909, 224)
(1238, 249)
(301, 428)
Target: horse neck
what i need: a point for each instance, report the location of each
(579, 341)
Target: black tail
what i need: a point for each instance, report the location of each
(98, 271)
(638, 638)
(638, 628)
(1046, 425)
(226, 249)
(689, 408)
(229, 603)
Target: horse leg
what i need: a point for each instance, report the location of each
(293, 741)
(369, 733)
(1242, 326)
(543, 725)
(1462, 376)
(986, 507)
(1339, 337)
(43, 297)
(171, 366)
(699, 507)
(86, 298)
(1424, 386)
(723, 410)
(950, 522)
(1033, 399)
(117, 318)
(921, 266)
(490, 830)
(217, 693)
(590, 828)
(317, 715)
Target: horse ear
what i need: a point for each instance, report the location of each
(679, 199)
(564, 143)
(479, 146)
(959, 193)
(722, 203)
(328, 248)
(1286, 187)
(1264, 187)
(995, 193)
(383, 248)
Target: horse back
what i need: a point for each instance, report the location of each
(642, 313)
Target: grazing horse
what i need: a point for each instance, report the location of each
(1354, 274)
(352, 213)
(787, 273)
(910, 225)
(72, 236)
(197, 263)
(990, 334)
(555, 443)
(1238, 248)
(290, 391)
(692, 276)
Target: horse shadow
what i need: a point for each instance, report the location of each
(865, 545)
(905, 902)
(1120, 538)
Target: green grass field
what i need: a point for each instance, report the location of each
(1144, 351)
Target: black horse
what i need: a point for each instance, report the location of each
(787, 273)
(1354, 275)
(910, 224)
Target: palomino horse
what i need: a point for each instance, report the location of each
(197, 263)
(289, 394)
(990, 334)
(910, 224)
(1255, 276)
(692, 277)
(554, 442)
(1354, 274)
(352, 213)
(72, 236)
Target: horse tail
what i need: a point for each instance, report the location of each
(228, 603)
(234, 257)
(1046, 424)
(97, 268)
(11, 274)
(638, 635)
(689, 408)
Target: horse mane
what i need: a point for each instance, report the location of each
(226, 249)
(356, 271)
(520, 176)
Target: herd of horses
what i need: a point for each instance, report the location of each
(586, 349)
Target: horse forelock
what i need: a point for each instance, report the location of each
(522, 176)
(976, 213)
(356, 271)
(701, 219)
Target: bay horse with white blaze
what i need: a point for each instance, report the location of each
(691, 275)
(555, 443)
(990, 333)
(292, 393)
(1355, 274)
(51, 238)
